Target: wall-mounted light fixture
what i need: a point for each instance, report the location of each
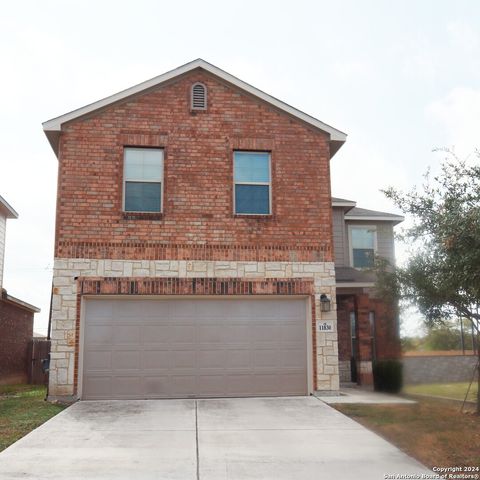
(324, 303)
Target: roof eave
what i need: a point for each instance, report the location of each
(395, 220)
(19, 303)
(7, 208)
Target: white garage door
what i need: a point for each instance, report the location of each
(194, 348)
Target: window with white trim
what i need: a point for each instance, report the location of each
(252, 183)
(363, 244)
(143, 180)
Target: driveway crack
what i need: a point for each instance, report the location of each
(196, 439)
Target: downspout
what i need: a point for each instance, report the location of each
(48, 338)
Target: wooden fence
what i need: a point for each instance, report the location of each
(39, 351)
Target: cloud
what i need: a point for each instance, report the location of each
(458, 114)
(362, 168)
(462, 35)
(418, 57)
(353, 70)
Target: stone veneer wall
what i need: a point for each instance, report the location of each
(64, 304)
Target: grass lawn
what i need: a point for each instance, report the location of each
(432, 431)
(23, 408)
(455, 391)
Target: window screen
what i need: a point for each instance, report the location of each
(143, 178)
(252, 180)
(363, 247)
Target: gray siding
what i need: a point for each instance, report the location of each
(341, 260)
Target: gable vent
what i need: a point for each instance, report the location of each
(199, 96)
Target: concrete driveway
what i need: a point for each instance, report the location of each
(242, 438)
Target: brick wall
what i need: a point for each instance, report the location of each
(198, 179)
(386, 329)
(387, 340)
(16, 330)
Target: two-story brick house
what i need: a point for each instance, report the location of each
(194, 246)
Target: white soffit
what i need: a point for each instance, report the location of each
(374, 218)
(7, 208)
(55, 124)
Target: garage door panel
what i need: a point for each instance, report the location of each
(189, 347)
(239, 358)
(126, 334)
(266, 357)
(99, 335)
(159, 312)
(157, 385)
(292, 382)
(210, 334)
(184, 310)
(212, 359)
(266, 333)
(156, 334)
(154, 359)
(292, 358)
(103, 311)
(184, 359)
(98, 360)
(211, 384)
(183, 385)
(290, 333)
(125, 385)
(126, 360)
(101, 385)
(183, 333)
(266, 383)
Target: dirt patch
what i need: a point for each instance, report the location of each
(435, 433)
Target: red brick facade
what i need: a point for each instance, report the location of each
(383, 338)
(198, 180)
(16, 330)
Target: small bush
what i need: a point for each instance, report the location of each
(387, 376)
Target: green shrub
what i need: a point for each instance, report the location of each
(387, 376)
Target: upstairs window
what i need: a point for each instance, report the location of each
(363, 241)
(199, 96)
(252, 179)
(143, 180)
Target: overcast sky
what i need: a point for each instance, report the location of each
(399, 77)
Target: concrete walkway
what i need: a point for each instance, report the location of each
(248, 438)
(358, 395)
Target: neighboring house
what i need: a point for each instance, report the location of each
(194, 246)
(16, 319)
(368, 327)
